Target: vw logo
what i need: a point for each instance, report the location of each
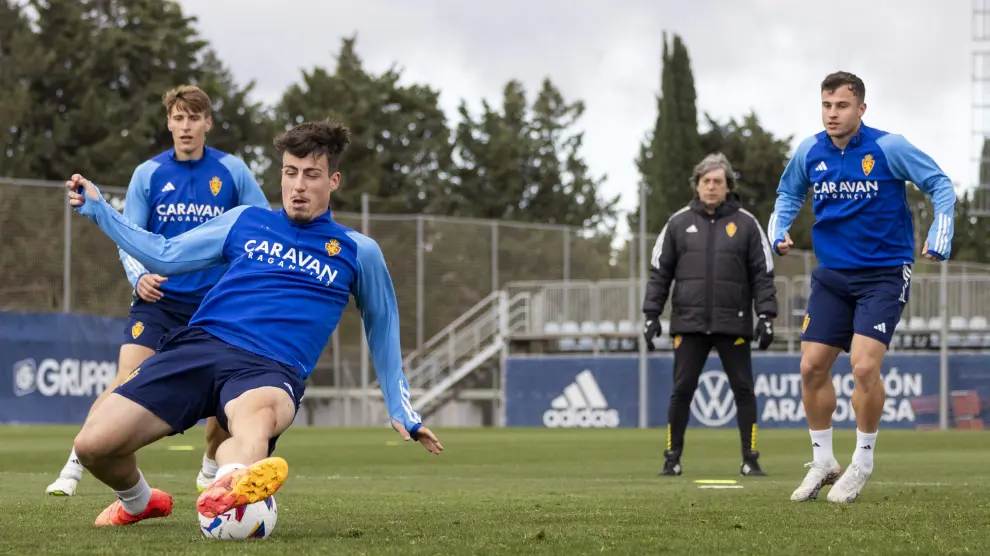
(713, 404)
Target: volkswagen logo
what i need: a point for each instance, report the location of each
(713, 404)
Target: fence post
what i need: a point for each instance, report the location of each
(494, 255)
(365, 199)
(943, 349)
(419, 281)
(67, 258)
(643, 362)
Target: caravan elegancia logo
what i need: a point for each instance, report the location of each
(582, 405)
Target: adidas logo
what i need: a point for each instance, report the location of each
(821, 167)
(815, 445)
(168, 187)
(692, 229)
(867, 447)
(882, 327)
(582, 405)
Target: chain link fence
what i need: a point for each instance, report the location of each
(54, 260)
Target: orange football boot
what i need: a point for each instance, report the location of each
(160, 505)
(243, 486)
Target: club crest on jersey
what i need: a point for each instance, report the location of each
(215, 185)
(730, 229)
(868, 163)
(137, 329)
(333, 247)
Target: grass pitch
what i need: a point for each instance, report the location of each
(520, 491)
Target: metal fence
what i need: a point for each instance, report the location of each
(54, 260)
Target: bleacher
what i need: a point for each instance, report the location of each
(602, 317)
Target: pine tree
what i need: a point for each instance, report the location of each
(670, 153)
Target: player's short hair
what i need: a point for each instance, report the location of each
(190, 98)
(328, 138)
(838, 79)
(711, 162)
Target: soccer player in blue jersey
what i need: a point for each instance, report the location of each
(173, 193)
(863, 239)
(254, 339)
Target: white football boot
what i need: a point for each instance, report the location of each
(818, 477)
(848, 487)
(203, 481)
(63, 486)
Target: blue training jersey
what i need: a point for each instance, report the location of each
(169, 197)
(285, 289)
(862, 217)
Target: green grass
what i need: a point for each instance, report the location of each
(354, 491)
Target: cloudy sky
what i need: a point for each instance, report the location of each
(768, 56)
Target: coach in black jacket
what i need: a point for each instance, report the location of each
(720, 263)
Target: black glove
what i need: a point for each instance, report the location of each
(764, 333)
(652, 329)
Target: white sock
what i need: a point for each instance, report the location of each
(228, 468)
(73, 469)
(866, 444)
(209, 467)
(136, 498)
(821, 446)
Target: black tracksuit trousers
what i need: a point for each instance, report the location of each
(690, 354)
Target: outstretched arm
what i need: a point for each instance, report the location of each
(791, 192)
(197, 249)
(137, 211)
(761, 271)
(375, 299)
(909, 163)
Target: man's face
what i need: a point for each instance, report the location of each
(713, 188)
(306, 186)
(841, 112)
(188, 130)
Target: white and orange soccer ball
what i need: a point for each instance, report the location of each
(254, 521)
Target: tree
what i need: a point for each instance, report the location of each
(82, 92)
(757, 157)
(21, 58)
(400, 148)
(96, 101)
(671, 151)
(525, 164)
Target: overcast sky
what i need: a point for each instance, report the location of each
(766, 55)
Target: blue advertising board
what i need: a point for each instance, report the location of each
(53, 366)
(586, 391)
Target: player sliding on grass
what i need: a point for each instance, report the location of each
(864, 242)
(168, 195)
(254, 339)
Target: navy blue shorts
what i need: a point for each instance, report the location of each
(845, 302)
(148, 322)
(194, 375)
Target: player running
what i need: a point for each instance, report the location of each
(864, 241)
(254, 339)
(170, 194)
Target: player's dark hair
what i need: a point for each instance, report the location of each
(843, 78)
(327, 138)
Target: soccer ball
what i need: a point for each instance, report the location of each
(254, 521)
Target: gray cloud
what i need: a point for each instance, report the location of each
(768, 56)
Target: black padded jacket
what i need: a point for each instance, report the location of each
(721, 268)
